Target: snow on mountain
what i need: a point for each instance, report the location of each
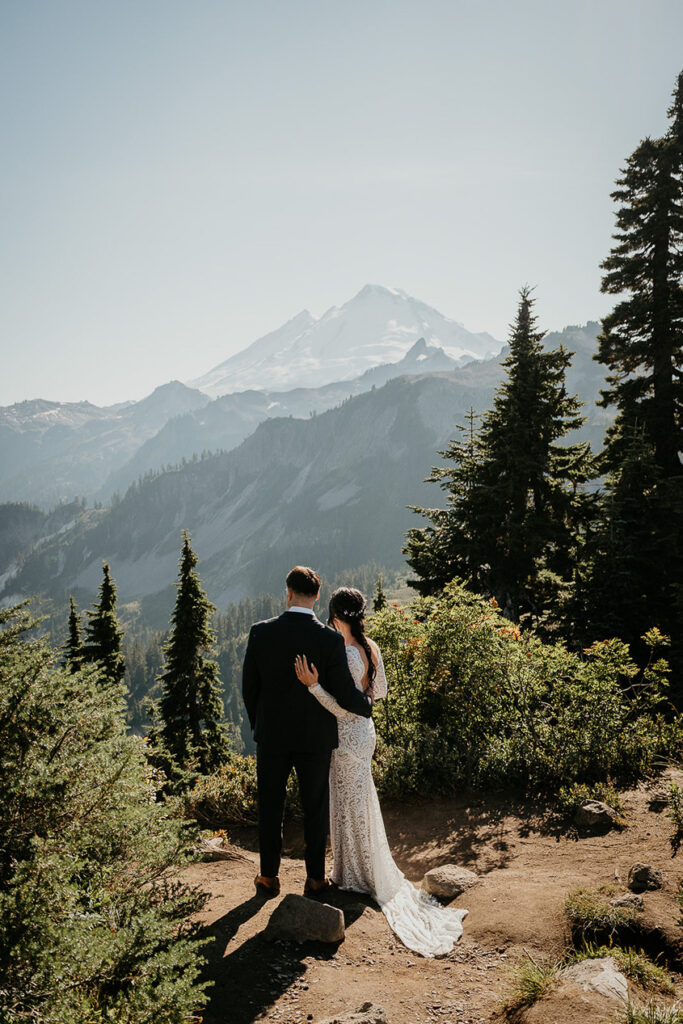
(377, 326)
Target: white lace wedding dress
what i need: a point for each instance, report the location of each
(362, 858)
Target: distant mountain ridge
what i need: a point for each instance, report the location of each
(378, 325)
(52, 452)
(331, 489)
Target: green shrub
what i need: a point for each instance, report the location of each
(571, 797)
(92, 914)
(229, 795)
(507, 708)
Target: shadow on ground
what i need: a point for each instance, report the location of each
(248, 980)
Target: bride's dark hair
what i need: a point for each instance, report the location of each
(348, 605)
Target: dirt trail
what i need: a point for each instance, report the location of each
(527, 869)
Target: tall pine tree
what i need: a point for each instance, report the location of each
(187, 732)
(638, 541)
(103, 640)
(73, 648)
(642, 338)
(515, 498)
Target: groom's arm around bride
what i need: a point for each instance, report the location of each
(291, 728)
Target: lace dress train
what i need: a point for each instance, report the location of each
(362, 858)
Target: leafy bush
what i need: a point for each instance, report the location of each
(501, 707)
(570, 798)
(229, 795)
(92, 915)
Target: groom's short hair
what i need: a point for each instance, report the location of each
(302, 580)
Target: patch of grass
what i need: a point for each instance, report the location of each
(653, 1013)
(632, 962)
(590, 913)
(531, 980)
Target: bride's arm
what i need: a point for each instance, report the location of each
(378, 688)
(308, 675)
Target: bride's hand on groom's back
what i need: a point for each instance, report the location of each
(305, 673)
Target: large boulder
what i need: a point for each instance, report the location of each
(644, 878)
(595, 814)
(299, 919)
(368, 1013)
(448, 881)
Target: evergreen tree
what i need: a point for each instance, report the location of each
(624, 596)
(104, 636)
(516, 508)
(380, 600)
(639, 535)
(642, 338)
(73, 648)
(448, 547)
(94, 922)
(187, 731)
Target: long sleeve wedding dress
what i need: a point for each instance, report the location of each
(362, 858)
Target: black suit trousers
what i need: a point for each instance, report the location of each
(313, 770)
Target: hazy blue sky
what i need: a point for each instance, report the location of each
(178, 178)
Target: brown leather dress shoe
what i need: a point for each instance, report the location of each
(267, 887)
(314, 888)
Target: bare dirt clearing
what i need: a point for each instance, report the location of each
(527, 867)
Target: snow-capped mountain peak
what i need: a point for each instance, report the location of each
(378, 325)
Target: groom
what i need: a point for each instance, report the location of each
(292, 730)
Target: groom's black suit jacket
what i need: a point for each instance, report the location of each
(281, 712)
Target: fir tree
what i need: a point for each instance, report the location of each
(380, 600)
(73, 648)
(642, 338)
(515, 501)
(104, 636)
(625, 597)
(448, 547)
(639, 534)
(187, 731)
(94, 922)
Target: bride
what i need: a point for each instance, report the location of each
(362, 858)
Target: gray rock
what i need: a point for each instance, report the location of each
(595, 814)
(299, 919)
(602, 976)
(449, 881)
(630, 900)
(368, 1013)
(643, 877)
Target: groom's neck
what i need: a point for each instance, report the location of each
(300, 600)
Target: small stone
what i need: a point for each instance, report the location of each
(595, 814)
(602, 976)
(449, 881)
(630, 900)
(299, 919)
(368, 1013)
(644, 877)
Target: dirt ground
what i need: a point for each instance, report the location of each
(527, 864)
